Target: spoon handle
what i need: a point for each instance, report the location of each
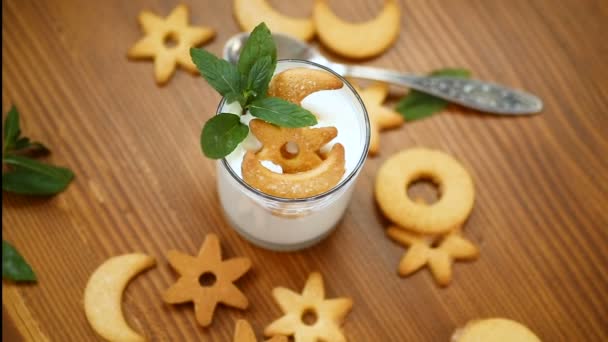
(483, 96)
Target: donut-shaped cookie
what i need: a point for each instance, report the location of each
(456, 189)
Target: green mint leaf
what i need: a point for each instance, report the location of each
(22, 143)
(11, 129)
(222, 134)
(417, 105)
(282, 113)
(14, 266)
(25, 146)
(259, 44)
(220, 74)
(259, 77)
(30, 177)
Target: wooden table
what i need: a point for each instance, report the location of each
(540, 219)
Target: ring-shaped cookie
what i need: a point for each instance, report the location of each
(456, 189)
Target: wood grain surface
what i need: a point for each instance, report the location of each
(142, 183)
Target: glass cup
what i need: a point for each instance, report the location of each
(285, 224)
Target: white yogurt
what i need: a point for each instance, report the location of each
(284, 224)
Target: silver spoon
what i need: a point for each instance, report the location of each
(483, 96)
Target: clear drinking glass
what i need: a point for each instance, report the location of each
(290, 224)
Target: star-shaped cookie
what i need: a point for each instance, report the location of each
(380, 117)
(206, 280)
(306, 143)
(329, 313)
(422, 251)
(158, 31)
(244, 333)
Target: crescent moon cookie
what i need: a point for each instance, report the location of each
(326, 314)
(158, 31)
(494, 330)
(207, 280)
(457, 193)
(421, 252)
(357, 40)
(103, 296)
(295, 84)
(380, 117)
(249, 13)
(244, 333)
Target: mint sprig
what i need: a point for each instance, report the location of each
(417, 105)
(24, 175)
(246, 82)
(14, 266)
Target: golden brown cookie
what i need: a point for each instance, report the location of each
(244, 333)
(207, 280)
(457, 193)
(494, 330)
(327, 314)
(421, 251)
(249, 13)
(295, 185)
(357, 40)
(380, 117)
(175, 29)
(295, 84)
(276, 142)
(103, 295)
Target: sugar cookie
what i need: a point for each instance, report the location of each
(456, 189)
(295, 185)
(249, 13)
(329, 313)
(422, 252)
(103, 295)
(494, 330)
(357, 40)
(207, 280)
(380, 117)
(306, 143)
(244, 333)
(173, 28)
(295, 84)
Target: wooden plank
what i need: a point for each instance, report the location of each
(142, 183)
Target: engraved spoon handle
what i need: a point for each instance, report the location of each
(483, 96)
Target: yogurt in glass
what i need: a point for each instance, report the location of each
(287, 224)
